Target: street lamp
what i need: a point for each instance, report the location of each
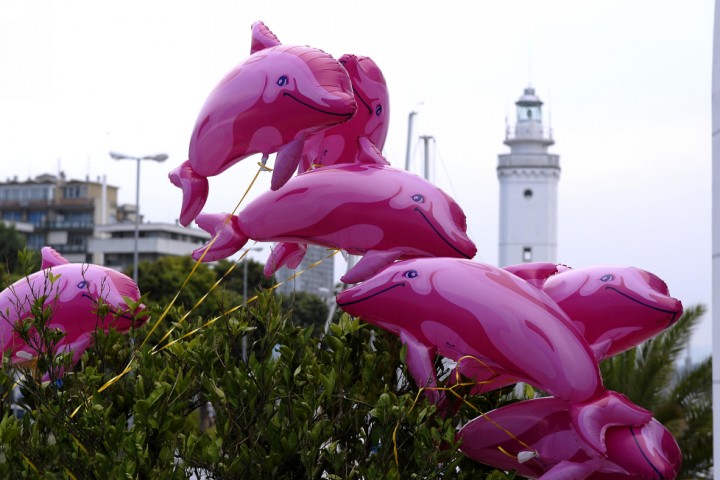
(160, 157)
(244, 297)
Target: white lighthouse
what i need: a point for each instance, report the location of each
(528, 178)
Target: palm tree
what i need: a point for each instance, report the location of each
(680, 398)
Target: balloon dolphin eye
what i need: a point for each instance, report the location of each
(82, 284)
(378, 110)
(282, 81)
(606, 278)
(418, 198)
(410, 274)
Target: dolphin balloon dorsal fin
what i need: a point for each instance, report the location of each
(262, 38)
(51, 258)
(535, 273)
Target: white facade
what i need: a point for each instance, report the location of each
(114, 244)
(528, 178)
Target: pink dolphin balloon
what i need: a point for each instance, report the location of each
(74, 296)
(269, 103)
(359, 140)
(545, 444)
(376, 211)
(615, 308)
(362, 138)
(483, 317)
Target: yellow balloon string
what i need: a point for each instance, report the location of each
(128, 368)
(457, 395)
(31, 464)
(237, 307)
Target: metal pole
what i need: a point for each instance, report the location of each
(715, 259)
(137, 222)
(426, 139)
(409, 140)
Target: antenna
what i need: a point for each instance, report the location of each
(529, 62)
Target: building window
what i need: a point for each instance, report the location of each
(528, 194)
(527, 254)
(75, 191)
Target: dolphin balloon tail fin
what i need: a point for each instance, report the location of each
(195, 190)
(591, 419)
(286, 162)
(284, 254)
(228, 238)
(371, 263)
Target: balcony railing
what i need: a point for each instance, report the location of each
(69, 225)
(530, 160)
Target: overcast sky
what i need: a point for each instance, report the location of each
(626, 87)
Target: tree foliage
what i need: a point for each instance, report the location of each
(12, 247)
(301, 406)
(161, 280)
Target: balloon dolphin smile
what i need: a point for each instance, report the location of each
(376, 211)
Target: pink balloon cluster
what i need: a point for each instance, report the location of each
(75, 294)
(542, 324)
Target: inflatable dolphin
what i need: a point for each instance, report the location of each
(74, 293)
(537, 438)
(269, 103)
(482, 317)
(379, 212)
(614, 308)
(362, 138)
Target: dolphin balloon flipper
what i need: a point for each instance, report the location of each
(262, 38)
(284, 254)
(419, 361)
(228, 238)
(77, 347)
(592, 419)
(286, 162)
(195, 190)
(371, 263)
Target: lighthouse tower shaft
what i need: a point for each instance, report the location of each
(528, 177)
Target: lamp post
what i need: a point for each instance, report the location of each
(160, 157)
(244, 297)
